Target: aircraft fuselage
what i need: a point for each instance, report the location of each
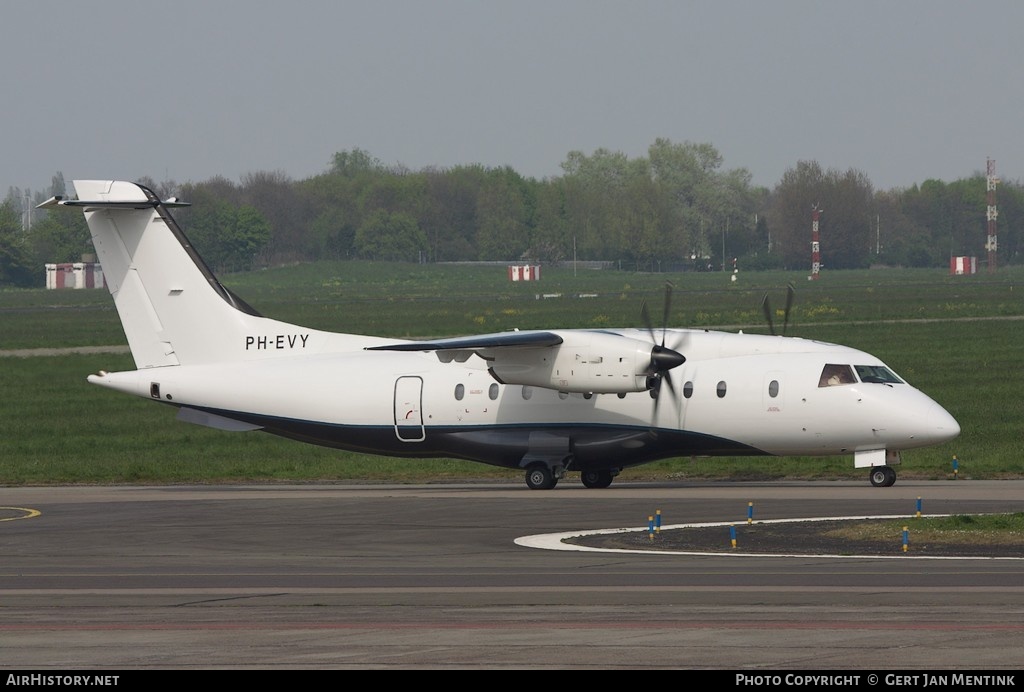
(736, 395)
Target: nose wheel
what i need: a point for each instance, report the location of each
(882, 476)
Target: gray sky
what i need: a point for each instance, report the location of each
(902, 91)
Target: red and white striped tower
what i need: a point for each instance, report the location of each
(991, 214)
(815, 244)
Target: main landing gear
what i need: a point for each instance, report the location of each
(882, 476)
(597, 479)
(541, 476)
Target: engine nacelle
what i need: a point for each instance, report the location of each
(598, 362)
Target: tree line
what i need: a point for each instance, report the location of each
(675, 208)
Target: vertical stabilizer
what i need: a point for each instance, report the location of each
(172, 308)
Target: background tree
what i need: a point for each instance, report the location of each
(1010, 203)
(449, 212)
(331, 235)
(230, 237)
(332, 204)
(504, 211)
(929, 205)
(273, 194)
(650, 213)
(390, 236)
(164, 190)
(401, 194)
(57, 187)
(850, 209)
(16, 265)
(551, 240)
(846, 202)
(642, 231)
(597, 206)
(713, 209)
(354, 163)
(57, 238)
(899, 239)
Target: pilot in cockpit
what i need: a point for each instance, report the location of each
(832, 375)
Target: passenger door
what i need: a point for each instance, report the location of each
(408, 409)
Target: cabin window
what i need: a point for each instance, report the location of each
(877, 373)
(493, 391)
(721, 389)
(527, 392)
(460, 391)
(833, 375)
(773, 388)
(688, 390)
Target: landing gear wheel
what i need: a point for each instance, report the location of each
(882, 476)
(596, 479)
(540, 477)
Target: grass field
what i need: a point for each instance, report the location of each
(958, 338)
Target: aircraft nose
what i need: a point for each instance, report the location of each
(941, 425)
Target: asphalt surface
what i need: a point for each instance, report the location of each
(481, 576)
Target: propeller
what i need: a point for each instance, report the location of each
(663, 358)
(766, 307)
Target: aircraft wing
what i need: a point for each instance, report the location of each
(474, 343)
(573, 360)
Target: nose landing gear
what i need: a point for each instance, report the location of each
(882, 476)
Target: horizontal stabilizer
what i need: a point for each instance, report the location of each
(59, 201)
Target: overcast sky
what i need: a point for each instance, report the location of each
(901, 91)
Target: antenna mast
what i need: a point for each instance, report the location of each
(991, 214)
(815, 244)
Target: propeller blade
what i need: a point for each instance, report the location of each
(662, 380)
(667, 379)
(768, 314)
(646, 316)
(790, 291)
(663, 358)
(667, 310)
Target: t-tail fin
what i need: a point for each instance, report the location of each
(172, 308)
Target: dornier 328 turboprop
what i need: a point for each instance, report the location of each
(588, 401)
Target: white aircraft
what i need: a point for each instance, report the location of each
(592, 401)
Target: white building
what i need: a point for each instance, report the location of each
(75, 275)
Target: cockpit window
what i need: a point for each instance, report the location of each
(832, 375)
(877, 373)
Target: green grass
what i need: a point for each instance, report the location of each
(405, 300)
(958, 529)
(962, 346)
